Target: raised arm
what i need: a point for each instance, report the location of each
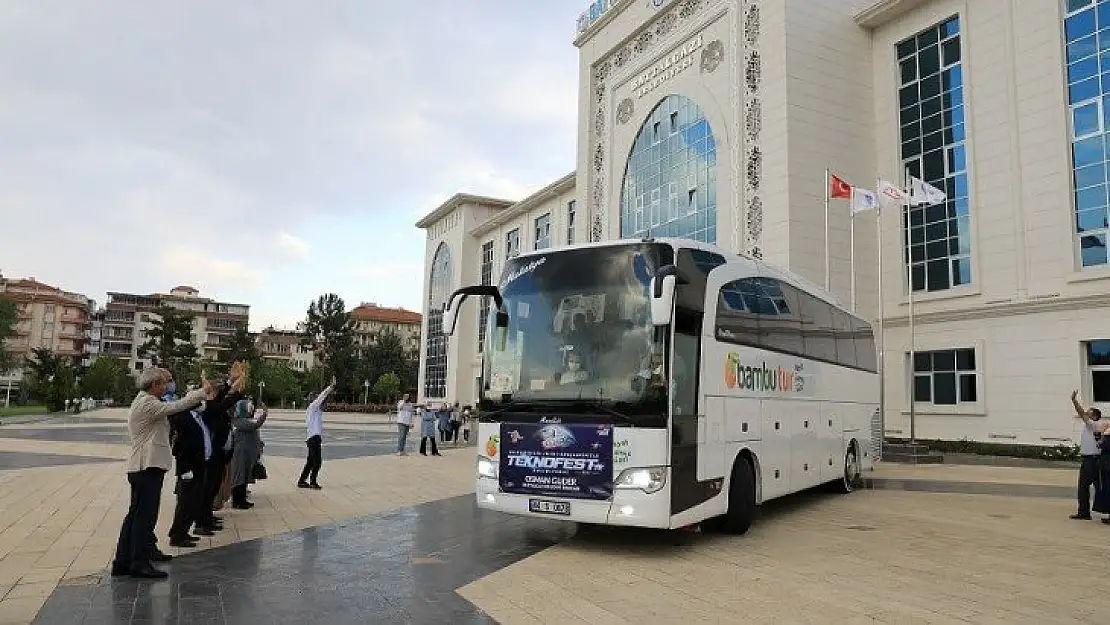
(251, 424)
(1080, 411)
(319, 401)
(154, 409)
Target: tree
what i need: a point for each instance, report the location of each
(328, 330)
(388, 387)
(52, 378)
(242, 347)
(9, 316)
(169, 343)
(109, 378)
(387, 354)
(281, 382)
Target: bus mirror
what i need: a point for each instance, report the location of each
(662, 299)
(501, 319)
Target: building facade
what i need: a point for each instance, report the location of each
(717, 119)
(127, 317)
(48, 317)
(370, 320)
(285, 346)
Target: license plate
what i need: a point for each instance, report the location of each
(549, 507)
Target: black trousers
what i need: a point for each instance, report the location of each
(424, 445)
(190, 506)
(213, 478)
(1088, 477)
(314, 461)
(136, 537)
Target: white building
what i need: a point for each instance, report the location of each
(716, 119)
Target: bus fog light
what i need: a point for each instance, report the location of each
(489, 498)
(627, 510)
(486, 468)
(648, 479)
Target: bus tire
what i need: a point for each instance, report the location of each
(741, 498)
(851, 477)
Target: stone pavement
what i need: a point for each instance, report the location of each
(394, 539)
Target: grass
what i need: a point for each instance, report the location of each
(15, 411)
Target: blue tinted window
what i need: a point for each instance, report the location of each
(669, 187)
(1087, 31)
(439, 289)
(939, 242)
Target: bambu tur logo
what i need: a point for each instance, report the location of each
(761, 377)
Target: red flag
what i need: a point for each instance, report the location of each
(839, 189)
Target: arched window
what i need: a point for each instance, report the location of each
(439, 289)
(670, 181)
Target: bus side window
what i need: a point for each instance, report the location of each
(819, 329)
(736, 321)
(845, 338)
(866, 357)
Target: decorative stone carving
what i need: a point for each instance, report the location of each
(755, 167)
(623, 56)
(643, 41)
(689, 7)
(599, 158)
(712, 56)
(625, 110)
(602, 71)
(599, 121)
(751, 25)
(755, 218)
(753, 118)
(596, 229)
(753, 70)
(666, 23)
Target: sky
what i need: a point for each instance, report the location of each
(268, 151)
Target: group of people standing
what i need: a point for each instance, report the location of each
(212, 435)
(444, 420)
(1094, 447)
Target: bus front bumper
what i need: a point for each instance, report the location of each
(629, 507)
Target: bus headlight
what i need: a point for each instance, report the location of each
(648, 479)
(486, 468)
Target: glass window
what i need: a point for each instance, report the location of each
(439, 289)
(668, 187)
(512, 243)
(570, 222)
(1088, 91)
(542, 238)
(487, 278)
(933, 149)
(945, 377)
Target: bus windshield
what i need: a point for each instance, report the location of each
(579, 328)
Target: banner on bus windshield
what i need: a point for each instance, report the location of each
(555, 460)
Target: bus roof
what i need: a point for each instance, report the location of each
(730, 257)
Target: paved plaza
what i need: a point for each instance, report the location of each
(398, 540)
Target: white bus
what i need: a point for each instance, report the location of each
(664, 383)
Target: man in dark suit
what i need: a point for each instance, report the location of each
(217, 416)
(192, 448)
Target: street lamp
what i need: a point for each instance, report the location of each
(261, 385)
(365, 390)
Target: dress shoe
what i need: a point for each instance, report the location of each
(118, 571)
(315, 487)
(303, 485)
(203, 531)
(148, 572)
(217, 519)
(160, 557)
(183, 543)
(244, 505)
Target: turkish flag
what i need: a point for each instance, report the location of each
(839, 189)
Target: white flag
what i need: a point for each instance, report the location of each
(863, 200)
(922, 192)
(890, 195)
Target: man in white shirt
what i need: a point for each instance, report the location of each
(404, 423)
(1093, 429)
(314, 421)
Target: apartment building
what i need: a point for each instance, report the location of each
(49, 317)
(716, 120)
(285, 346)
(370, 320)
(128, 316)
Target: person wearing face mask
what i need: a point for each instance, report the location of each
(1093, 431)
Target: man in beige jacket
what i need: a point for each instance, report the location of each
(150, 458)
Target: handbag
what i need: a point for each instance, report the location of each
(259, 471)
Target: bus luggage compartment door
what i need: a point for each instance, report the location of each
(711, 439)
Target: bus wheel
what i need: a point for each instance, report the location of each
(741, 498)
(851, 475)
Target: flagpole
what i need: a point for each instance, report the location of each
(882, 317)
(828, 273)
(852, 243)
(913, 377)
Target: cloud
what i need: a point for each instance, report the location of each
(386, 271)
(183, 264)
(291, 247)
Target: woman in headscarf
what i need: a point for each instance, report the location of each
(247, 450)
